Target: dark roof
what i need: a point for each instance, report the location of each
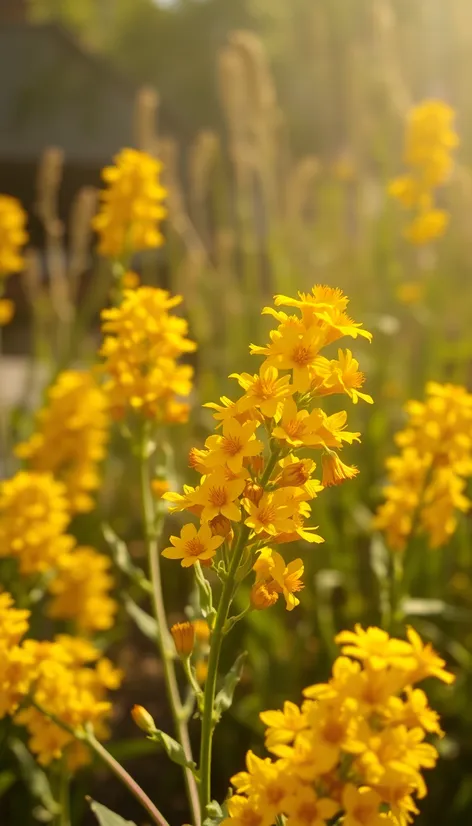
(54, 92)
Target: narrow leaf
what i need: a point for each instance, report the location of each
(224, 698)
(34, 777)
(173, 749)
(122, 559)
(146, 624)
(106, 817)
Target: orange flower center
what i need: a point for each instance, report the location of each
(218, 497)
(194, 547)
(267, 514)
(362, 813)
(302, 356)
(264, 388)
(308, 812)
(294, 428)
(293, 583)
(333, 731)
(231, 445)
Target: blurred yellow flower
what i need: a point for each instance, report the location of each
(71, 436)
(411, 292)
(131, 205)
(13, 235)
(34, 514)
(81, 591)
(368, 717)
(7, 311)
(142, 343)
(429, 141)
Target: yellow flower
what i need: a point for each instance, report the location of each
(340, 375)
(334, 471)
(33, 517)
(183, 634)
(426, 482)
(288, 578)
(193, 546)
(296, 472)
(81, 590)
(216, 495)
(265, 391)
(140, 350)
(263, 595)
(375, 646)
(202, 630)
(130, 280)
(159, 487)
(428, 664)
(237, 443)
(427, 225)
(71, 436)
(305, 808)
(244, 812)
(7, 311)
(271, 515)
(410, 292)
(13, 235)
(72, 689)
(131, 208)
(362, 807)
(282, 726)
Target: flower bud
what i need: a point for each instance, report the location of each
(335, 471)
(201, 671)
(221, 526)
(196, 458)
(143, 719)
(256, 463)
(130, 280)
(253, 492)
(297, 473)
(202, 630)
(183, 634)
(159, 487)
(263, 596)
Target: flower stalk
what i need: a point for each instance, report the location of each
(163, 638)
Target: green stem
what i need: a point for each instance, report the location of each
(117, 769)
(164, 641)
(208, 721)
(126, 779)
(64, 814)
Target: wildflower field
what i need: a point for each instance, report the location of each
(235, 541)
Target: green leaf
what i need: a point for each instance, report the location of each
(146, 624)
(215, 814)
(122, 559)
(34, 778)
(106, 817)
(205, 594)
(173, 749)
(224, 698)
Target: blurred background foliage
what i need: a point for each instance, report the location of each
(290, 120)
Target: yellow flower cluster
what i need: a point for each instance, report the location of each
(66, 678)
(430, 139)
(142, 343)
(427, 480)
(34, 514)
(13, 235)
(267, 487)
(80, 590)
(356, 747)
(70, 438)
(131, 208)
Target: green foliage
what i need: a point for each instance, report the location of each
(106, 817)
